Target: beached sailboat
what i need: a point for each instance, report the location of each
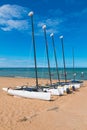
(76, 83)
(51, 88)
(29, 92)
(70, 85)
(59, 85)
(65, 87)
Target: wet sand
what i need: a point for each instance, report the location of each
(68, 112)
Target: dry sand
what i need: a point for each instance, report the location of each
(68, 112)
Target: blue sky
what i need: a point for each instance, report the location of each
(65, 17)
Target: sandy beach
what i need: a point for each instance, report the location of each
(68, 112)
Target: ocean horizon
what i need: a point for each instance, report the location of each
(25, 72)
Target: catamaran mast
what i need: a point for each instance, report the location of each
(44, 28)
(74, 74)
(33, 41)
(73, 59)
(52, 36)
(61, 37)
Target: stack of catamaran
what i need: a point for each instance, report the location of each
(44, 92)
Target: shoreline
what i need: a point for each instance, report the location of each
(22, 80)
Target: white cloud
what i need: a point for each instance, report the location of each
(13, 17)
(9, 11)
(14, 24)
(51, 23)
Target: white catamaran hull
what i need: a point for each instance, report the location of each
(54, 91)
(70, 86)
(61, 89)
(77, 86)
(29, 94)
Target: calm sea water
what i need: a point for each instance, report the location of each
(43, 73)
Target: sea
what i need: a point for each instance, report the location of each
(77, 73)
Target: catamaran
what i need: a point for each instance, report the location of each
(77, 83)
(30, 92)
(67, 86)
(50, 88)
